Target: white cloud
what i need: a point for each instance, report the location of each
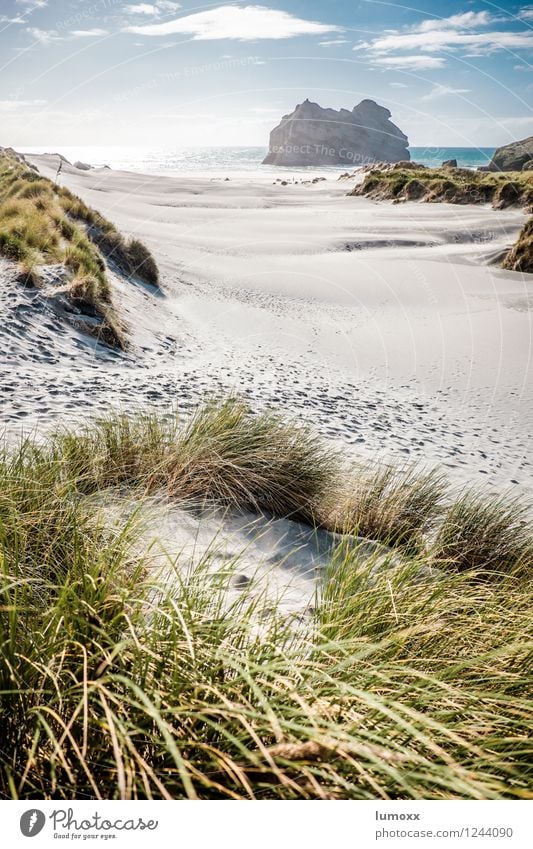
(141, 9)
(88, 33)
(34, 4)
(243, 23)
(463, 32)
(334, 41)
(154, 9)
(443, 91)
(16, 105)
(44, 36)
(465, 20)
(398, 85)
(409, 63)
(437, 40)
(526, 14)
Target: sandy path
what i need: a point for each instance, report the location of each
(378, 323)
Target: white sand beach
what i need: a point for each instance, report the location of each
(383, 325)
(266, 487)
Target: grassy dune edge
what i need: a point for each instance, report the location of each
(406, 181)
(411, 681)
(53, 235)
(520, 257)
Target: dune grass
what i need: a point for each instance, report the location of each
(131, 256)
(487, 532)
(42, 224)
(520, 257)
(398, 506)
(448, 185)
(223, 454)
(411, 680)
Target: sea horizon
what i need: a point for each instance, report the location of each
(236, 158)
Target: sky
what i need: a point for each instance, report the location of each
(164, 74)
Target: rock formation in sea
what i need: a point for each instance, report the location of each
(315, 136)
(512, 157)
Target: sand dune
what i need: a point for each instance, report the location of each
(382, 325)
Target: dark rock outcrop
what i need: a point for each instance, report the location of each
(512, 157)
(321, 137)
(449, 163)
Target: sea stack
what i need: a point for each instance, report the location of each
(315, 136)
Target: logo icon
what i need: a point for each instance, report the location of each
(32, 822)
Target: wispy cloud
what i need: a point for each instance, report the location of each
(434, 41)
(333, 42)
(17, 105)
(168, 6)
(28, 6)
(470, 33)
(153, 10)
(44, 36)
(88, 33)
(464, 20)
(443, 91)
(141, 9)
(398, 85)
(409, 63)
(526, 14)
(242, 23)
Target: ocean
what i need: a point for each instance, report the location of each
(232, 159)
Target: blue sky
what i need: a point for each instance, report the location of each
(165, 73)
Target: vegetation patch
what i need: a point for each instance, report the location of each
(447, 185)
(42, 224)
(412, 680)
(397, 506)
(520, 257)
(131, 256)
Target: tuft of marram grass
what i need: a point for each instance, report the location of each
(489, 533)
(228, 455)
(223, 454)
(520, 256)
(397, 506)
(412, 681)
